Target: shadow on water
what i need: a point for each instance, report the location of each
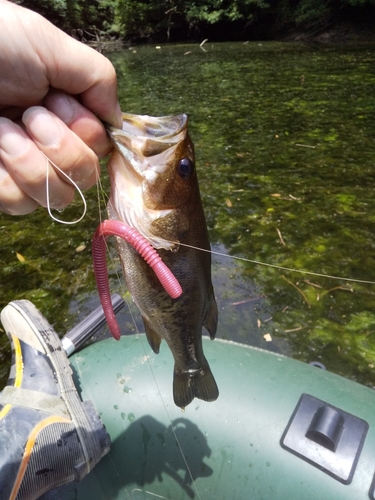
(159, 453)
(155, 457)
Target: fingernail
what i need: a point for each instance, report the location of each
(116, 118)
(62, 106)
(119, 115)
(42, 126)
(12, 139)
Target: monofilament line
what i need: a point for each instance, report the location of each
(275, 266)
(169, 419)
(122, 286)
(50, 162)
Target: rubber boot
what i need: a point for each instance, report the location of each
(48, 436)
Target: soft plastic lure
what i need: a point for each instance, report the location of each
(131, 236)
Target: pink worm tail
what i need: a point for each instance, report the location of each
(117, 228)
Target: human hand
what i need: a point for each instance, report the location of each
(53, 93)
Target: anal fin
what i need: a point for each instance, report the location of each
(211, 319)
(153, 338)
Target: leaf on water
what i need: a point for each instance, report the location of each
(305, 146)
(280, 236)
(294, 329)
(20, 257)
(312, 284)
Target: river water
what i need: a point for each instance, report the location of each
(285, 147)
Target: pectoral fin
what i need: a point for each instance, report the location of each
(172, 227)
(210, 322)
(153, 338)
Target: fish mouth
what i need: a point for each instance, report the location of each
(160, 127)
(143, 136)
(145, 147)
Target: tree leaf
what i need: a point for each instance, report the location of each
(20, 257)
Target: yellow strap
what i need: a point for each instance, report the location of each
(29, 449)
(19, 361)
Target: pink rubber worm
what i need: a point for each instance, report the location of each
(143, 247)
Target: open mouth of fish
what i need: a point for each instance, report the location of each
(144, 148)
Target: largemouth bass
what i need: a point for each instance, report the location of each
(154, 189)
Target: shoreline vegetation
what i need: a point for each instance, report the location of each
(114, 24)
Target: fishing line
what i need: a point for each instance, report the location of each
(169, 418)
(275, 266)
(50, 162)
(144, 347)
(102, 198)
(221, 254)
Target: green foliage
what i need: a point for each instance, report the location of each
(359, 3)
(54, 10)
(75, 14)
(312, 11)
(171, 19)
(138, 18)
(213, 11)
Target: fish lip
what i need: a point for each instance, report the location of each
(143, 145)
(143, 126)
(120, 149)
(163, 132)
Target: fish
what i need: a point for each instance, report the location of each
(155, 190)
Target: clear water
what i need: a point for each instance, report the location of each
(285, 147)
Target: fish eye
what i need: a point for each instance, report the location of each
(185, 168)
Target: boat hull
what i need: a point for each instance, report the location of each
(232, 448)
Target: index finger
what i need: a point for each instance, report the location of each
(82, 71)
(69, 65)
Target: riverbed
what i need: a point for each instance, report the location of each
(285, 149)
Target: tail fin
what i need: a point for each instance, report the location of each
(187, 386)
